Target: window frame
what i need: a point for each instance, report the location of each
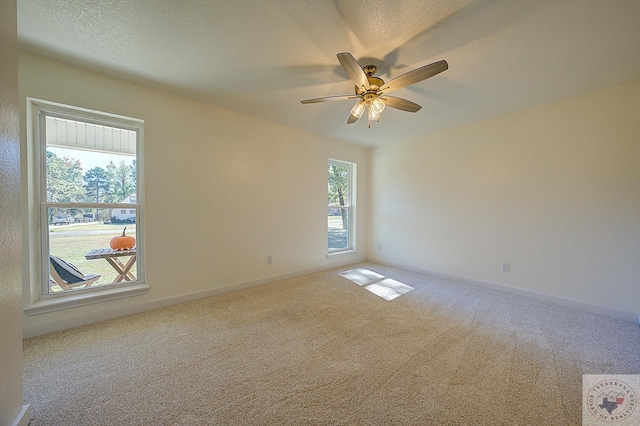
(350, 206)
(37, 298)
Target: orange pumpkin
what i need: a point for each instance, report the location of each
(122, 242)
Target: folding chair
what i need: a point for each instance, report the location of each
(67, 276)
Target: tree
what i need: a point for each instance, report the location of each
(123, 180)
(64, 181)
(338, 189)
(134, 172)
(96, 184)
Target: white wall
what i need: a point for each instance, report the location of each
(223, 191)
(11, 407)
(553, 190)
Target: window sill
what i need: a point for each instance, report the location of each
(337, 253)
(80, 298)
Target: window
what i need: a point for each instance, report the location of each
(86, 171)
(341, 211)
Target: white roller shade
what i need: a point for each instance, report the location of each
(74, 134)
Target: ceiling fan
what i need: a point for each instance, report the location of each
(372, 91)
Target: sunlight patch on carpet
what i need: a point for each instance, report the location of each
(362, 276)
(388, 288)
(377, 284)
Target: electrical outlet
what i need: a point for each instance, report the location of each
(379, 247)
(505, 267)
(269, 260)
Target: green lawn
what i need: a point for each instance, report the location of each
(72, 242)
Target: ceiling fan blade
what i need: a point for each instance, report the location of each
(352, 119)
(328, 98)
(415, 76)
(401, 104)
(353, 69)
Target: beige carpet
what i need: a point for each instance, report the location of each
(322, 350)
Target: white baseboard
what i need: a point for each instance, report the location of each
(575, 304)
(107, 314)
(24, 418)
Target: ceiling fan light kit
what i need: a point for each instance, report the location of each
(371, 91)
(377, 105)
(358, 109)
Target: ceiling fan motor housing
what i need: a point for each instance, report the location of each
(374, 82)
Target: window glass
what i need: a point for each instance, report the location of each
(340, 206)
(72, 241)
(88, 200)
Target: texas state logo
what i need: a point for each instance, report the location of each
(610, 399)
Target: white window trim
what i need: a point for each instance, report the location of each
(35, 302)
(351, 207)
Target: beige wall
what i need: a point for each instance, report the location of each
(11, 408)
(553, 190)
(223, 190)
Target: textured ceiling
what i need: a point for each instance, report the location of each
(261, 57)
